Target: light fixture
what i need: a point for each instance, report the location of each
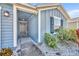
(23, 19)
(6, 13)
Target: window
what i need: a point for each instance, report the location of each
(51, 24)
(55, 23)
(62, 22)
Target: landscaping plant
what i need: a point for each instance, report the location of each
(6, 52)
(72, 35)
(77, 40)
(62, 34)
(50, 40)
(77, 32)
(66, 34)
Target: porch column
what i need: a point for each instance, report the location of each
(14, 26)
(39, 26)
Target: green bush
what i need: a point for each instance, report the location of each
(6, 52)
(66, 34)
(72, 34)
(62, 34)
(50, 40)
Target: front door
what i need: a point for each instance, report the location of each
(22, 28)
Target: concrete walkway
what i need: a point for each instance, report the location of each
(27, 48)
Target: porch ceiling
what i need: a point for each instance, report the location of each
(23, 15)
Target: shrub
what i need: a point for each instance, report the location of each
(62, 34)
(50, 40)
(72, 34)
(66, 34)
(77, 32)
(6, 52)
(56, 30)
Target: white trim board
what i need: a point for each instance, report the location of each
(25, 9)
(39, 26)
(48, 8)
(14, 26)
(57, 17)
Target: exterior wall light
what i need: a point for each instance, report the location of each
(23, 19)
(6, 13)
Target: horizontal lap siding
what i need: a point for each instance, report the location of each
(7, 26)
(0, 28)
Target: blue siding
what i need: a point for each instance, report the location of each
(43, 24)
(48, 20)
(0, 28)
(33, 27)
(7, 26)
(45, 20)
(65, 23)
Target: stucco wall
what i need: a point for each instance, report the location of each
(7, 26)
(45, 20)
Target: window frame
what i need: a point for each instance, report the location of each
(52, 24)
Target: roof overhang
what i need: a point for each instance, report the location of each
(59, 7)
(74, 20)
(26, 8)
(33, 9)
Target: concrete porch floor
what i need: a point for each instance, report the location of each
(27, 48)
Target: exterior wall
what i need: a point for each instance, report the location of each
(6, 26)
(33, 27)
(0, 27)
(45, 20)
